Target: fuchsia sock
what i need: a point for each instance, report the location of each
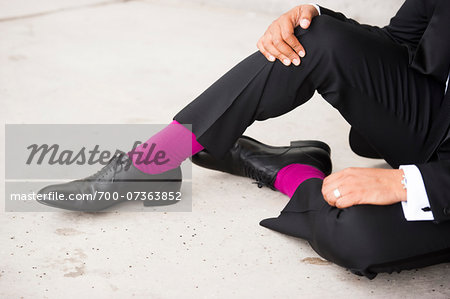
(165, 150)
(291, 176)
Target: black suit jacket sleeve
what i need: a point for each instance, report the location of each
(424, 28)
(410, 22)
(343, 18)
(436, 176)
(336, 15)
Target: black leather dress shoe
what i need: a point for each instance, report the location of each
(261, 162)
(118, 181)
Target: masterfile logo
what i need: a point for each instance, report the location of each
(38, 155)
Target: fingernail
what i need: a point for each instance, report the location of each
(304, 23)
(301, 53)
(286, 61)
(271, 58)
(296, 61)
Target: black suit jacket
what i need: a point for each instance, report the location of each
(423, 26)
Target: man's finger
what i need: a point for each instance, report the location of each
(330, 199)
(305, 18)
(287, 33)
(329, 196)
(286, 50)
(270, 47)
(263, 50)
(293, 42)
(283, 47)
(345, 202)
(333, 180)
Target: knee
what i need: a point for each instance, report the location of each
(325, 34)
(361, 146)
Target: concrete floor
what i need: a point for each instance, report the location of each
(140, 62)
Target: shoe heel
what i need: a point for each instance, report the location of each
(311, 143)
(164, 194)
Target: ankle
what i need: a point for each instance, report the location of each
(290, 177)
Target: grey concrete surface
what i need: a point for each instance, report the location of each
(140, 62)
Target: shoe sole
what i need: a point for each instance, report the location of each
(173, 186)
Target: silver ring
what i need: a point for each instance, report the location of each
(337, 194)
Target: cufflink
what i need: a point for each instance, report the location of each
(404, 182)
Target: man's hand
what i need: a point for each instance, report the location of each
(364, 186)
(279, 41)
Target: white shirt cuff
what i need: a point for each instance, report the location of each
(417, 205)
(316, 6)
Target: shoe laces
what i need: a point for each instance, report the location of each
(116, 164)
(262, 179)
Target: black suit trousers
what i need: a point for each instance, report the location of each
(364, 74)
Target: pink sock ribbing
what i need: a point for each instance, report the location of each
(291, 176)
(165, 150)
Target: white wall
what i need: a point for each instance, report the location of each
(367, 11)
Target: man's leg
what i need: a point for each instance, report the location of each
(375, 91)
(361, 146)
(366, 239)
(379, 95)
